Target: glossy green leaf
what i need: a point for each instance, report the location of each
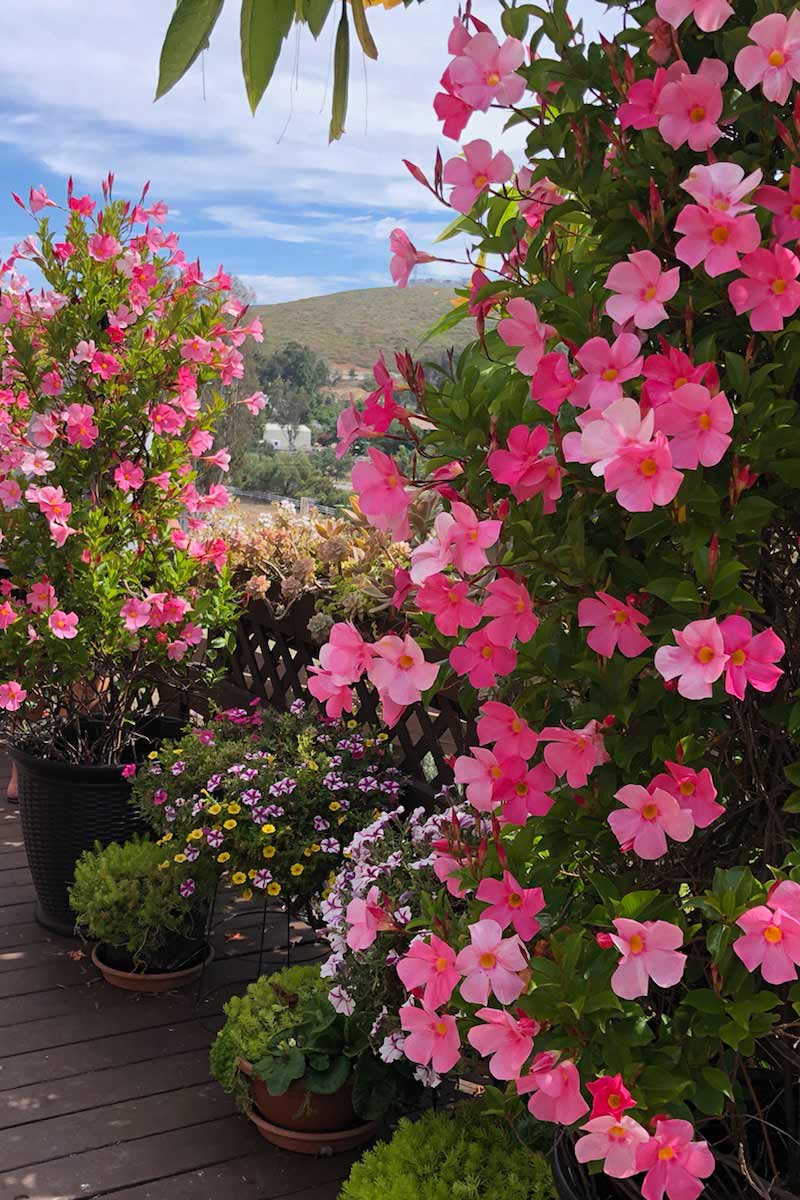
(186, 37)
(263, 30)
(341, 73)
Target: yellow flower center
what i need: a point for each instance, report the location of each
(720, 234)
(650, 293)
(516, 725)
(486, 652)
(777, 58)
(492, 79)
(441, 964)
(514, 900)
(697, 114)
(521, 788)
(453, 597)
(681, 382)
(705, 654)
(738, 657)
(440, 1028)
(614, 1101)
(648, 467)
(616, 1131)
(481, 181)
(637, 943)
(686, 788)
(665, 1153)
(620, 616)
(406, 661)
(773, 934)
(487, 961)
(794, 212)
(779, 286)
(649, 812)
(704, 421)
(391, 480)
(495, 773)
(610, 374)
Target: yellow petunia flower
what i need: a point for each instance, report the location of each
(229, 824)
(214, 809)
(195, 835)
(238, 877)
(247, 893)
(179, 858)
(223, 858)
(382, 737)
(296, 869)
(267, 829)
(273, 889)
(352, 724)
(153, 755)
(234, 808)
(315, 847)
(163, 866)
(311, 765)
(251, 874)
(334, 806)
(268, 851)
(166, 838)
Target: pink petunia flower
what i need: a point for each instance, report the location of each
(769, 290)
(694, 790)
(673, 1162)
(381, 494)
(522, 327)
(615, 626)
(449, 602)
(556, 1087)
(642, 288)
(697, 425)
(491, 965)
(774, 60)
(509, 1041)
(509, 903)
(481, 660)
(501, 723)
(430, 966)
(614, 1140)
(710, 15)
(574, 752)
(606, 368)
(697, 661)
(649, 950)
(405, 257)
(432, 1038)
(399, 670)
(690, 106)
(473, 174)
(785, 204)
(485, 73)
(751, 658)
(610, 1097)
(366, 918)
(509, 603)
(647, 819)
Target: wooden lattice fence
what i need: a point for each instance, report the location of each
(271, 661)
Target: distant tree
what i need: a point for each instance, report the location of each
(319, 476)
(297, 366)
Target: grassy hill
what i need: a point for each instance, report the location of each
(349, 328)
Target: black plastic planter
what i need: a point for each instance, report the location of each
(64, 810)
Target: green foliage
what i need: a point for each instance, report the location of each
(295, 474)
(127, 897)
(458, 1155)
(297, 365)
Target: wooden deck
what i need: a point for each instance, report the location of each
(106, 1093)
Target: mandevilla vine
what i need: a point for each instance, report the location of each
(606, 508)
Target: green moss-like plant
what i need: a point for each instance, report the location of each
(457, 1155)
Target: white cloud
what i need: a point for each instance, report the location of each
(277, 289)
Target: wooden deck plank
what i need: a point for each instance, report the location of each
(56, 1098)
(134, 1012)
(266, 1175)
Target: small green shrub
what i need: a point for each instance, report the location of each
(459, 1155)
(128, 897)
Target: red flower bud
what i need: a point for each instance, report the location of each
(604, 941)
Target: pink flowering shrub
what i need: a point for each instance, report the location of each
(609, 577)
(112, 577)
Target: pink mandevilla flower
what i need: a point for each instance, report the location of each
(574, 752)
(511, 904)
(522, 327)
(769, 290)
(556, 1087)
(649, 950)
(485, 73)
(432, 1038)
(430, 966)
(696, 661)
(491, 965)
(509, 1040)
(615, 625)
(475, 172)
(381, 494)
(774, 60)
(675, 1164)
(642, 287)
(694, 790)
(481, 660)
(501, 723)
(647, 818)
(606, 368)
(614, 1140)
(697, 425)
(751, 657)
(690, 106)
(710, 15)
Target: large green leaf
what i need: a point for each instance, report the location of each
(186, 36)
(326, 1082)
(362, 29)
(315, 14)
(263, 30)
(341, 72)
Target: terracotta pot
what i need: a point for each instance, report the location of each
(136, 981)
(314, 1143)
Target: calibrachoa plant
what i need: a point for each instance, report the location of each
(269, 798)
(112, 578)
(611, 575)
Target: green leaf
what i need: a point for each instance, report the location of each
(315, 14)
(325, 1083)
(279, 1073)
(341, 72)
(187, 35)
(362, 29)
(706, 1001)
(718, 1080)
(263, 29)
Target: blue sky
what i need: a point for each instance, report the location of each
(266, 196)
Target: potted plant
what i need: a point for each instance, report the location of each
(612, 577)
(112, 582)
(268, 798)
(297, 1067)
(463, 1151)
(147, 916)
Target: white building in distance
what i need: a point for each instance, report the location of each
(285, 437)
